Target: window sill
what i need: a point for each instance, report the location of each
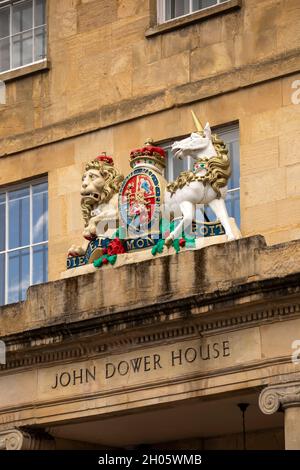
(193, 18)
(24, 71)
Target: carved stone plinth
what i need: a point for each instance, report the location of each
(15, 439)
(286, 396)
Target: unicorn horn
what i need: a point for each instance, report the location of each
(198, 124)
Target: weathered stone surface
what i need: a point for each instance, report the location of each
(81, 30)
(95, 14)
(205, 271)
(212, 60)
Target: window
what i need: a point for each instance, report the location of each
(230, 135)
(23, 239)
(169, 9)
(22, 33)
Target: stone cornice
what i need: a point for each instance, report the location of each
(274, 397)
(131, 330)
(124, 111)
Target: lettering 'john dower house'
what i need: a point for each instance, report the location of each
(165, 342)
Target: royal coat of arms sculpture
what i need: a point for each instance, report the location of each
(144, 213)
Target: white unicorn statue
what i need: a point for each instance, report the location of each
(206, 184)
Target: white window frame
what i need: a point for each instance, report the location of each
(31, 245)
(10, 4)
(161, 10)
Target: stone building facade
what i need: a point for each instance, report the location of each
(158, 353)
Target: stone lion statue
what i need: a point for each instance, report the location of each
(99, 199)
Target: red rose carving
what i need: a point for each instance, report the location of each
(182, 242)
(115, 247)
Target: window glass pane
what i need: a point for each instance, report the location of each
(178, 167)
(2, 279)
(2, 222)
(22, 17)
(234, 152)
(40, 43)
(4, 55)
(176, 8)
(4, 22)
(233, 206)
(40, 264)
(200, 4)
(174, 166)
(22, 49)
(40, 213)
(18, 275)
(19, 224)
(18, 193)
(39, 188)
(40, 13)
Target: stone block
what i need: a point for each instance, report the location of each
(93, 15)
(162, 74)
(67, 180)
(259, 14)
(64, 19)
(293, 180)
(277, 341)
(133, 8)
(75, 221)
(264, 186)
(282, 236)
(261, 156)
(289, 119)
(232, 25)
(288, 34)
(180, 40)
(289, 145)
(146, 52)
(35, 162)
(211, 32)
(253, 47)
(212, 60)
(115, 88)
(258, 127)
(59, 216)
(288, 212)
(89, 146)
(260, 218)
(261, 97)
(128, 31)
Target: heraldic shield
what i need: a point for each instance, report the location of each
(142, 192)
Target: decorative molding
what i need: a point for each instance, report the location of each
(276, 396)
(16, 439)
(21, 354)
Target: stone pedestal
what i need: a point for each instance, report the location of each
(287, 397)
